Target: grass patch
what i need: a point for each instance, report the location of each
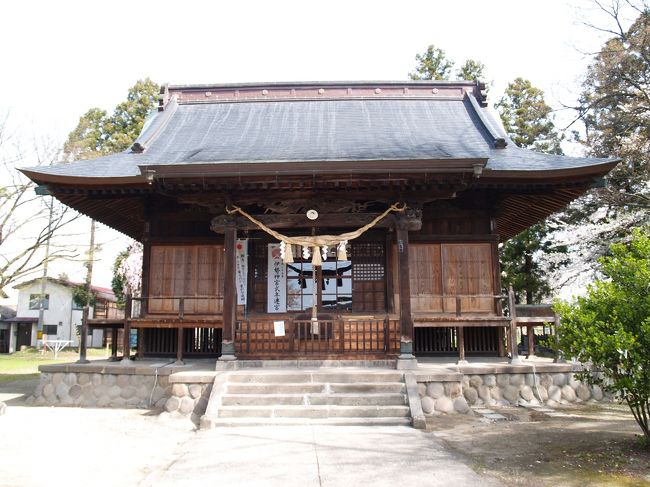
(24, 365)
(14, 377)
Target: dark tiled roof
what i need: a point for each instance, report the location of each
(328, 130)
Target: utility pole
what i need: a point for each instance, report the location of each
(41, 305)
(86, 310)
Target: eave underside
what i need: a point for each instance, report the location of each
(515, 205)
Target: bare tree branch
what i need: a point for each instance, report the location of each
(24, 217)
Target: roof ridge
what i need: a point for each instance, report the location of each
(278, 84)
(498, 141)
(159, 121)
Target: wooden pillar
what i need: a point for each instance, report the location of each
(113, 343)
(146, 262)
(559, 355)
(83, 339)
(140, 343)
(179, 345)
(229, 294)
(461, 345)
(390, 292)
(501, 338)
(530, 331)
(514, 357)
(126, 337)
(496, 282)
(406, 357)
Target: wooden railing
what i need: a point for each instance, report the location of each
(176, 306)
(449, 303)
(323, 337)
(107, 311)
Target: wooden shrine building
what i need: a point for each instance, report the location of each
(226, 179)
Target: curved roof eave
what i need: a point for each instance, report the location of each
(45, 178)
(601, 168)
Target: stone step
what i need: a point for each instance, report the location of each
(390, 421)
(313, 412)
(305, 377)
(311, 388)
(342, 399)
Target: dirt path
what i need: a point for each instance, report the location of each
(586, 446)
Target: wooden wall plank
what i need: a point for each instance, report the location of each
(441, 271)
(189, 271)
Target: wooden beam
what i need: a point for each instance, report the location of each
(437, 238)
(220, 223)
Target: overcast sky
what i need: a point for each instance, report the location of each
(60, 58)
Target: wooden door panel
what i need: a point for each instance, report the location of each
(441, 272)
(190, 271)
(425, 277)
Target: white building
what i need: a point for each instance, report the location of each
(61, 315)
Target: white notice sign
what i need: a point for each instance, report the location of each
(241, 267)
(278, 327)
(276, 281)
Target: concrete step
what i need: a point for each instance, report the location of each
(273, 388)
(313, 377)
(342, 399)
(370, 388)
(313, 412)
(346, 399)
(312, 388)
(316, 396)
(391, 421)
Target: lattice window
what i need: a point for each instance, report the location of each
(368, 276)
(369, 262)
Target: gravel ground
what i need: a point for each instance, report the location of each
(574, 446)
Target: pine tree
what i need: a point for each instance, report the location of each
(432, 65)
(527, 119)
(99, 134)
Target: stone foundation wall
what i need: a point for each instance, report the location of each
(505, 389)
(188, 400)
(121, 391)
(101, 390)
